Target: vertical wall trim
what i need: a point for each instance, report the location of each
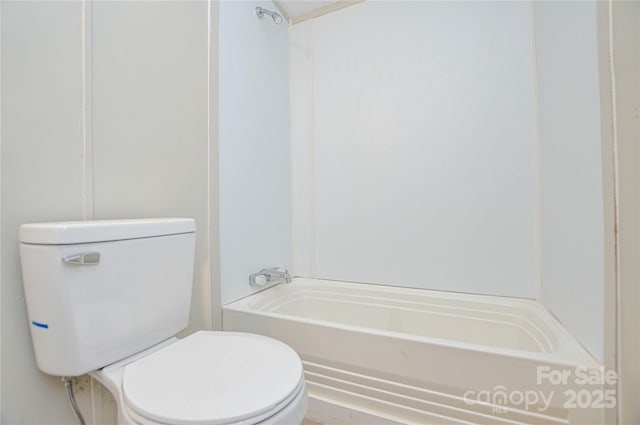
(537, 207)
(208, 207)
(86, 101)
(1, 227)
(83, 107)
(86, 54)
(312, 153)
(209, 182)
(294, 217)
(213, 187)
(616, 212)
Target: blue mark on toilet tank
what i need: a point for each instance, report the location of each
(39, 325)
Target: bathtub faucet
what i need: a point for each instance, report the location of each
(269, 277)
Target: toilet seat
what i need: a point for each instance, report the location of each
(214, 378)
(288, 413)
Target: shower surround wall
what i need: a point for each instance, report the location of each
(413, 142)
(255, 166)
(418, 160)
(571, 149)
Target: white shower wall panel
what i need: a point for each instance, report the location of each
(253, 131)
(412, 140)
(572, 211)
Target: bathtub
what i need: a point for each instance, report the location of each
(382, 354)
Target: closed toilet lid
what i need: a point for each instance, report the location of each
(212, 378)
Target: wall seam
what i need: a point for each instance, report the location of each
(86, 111)
(616, 211)
(208, 208)
(2, 285)
(537, 175)
(83, 110)
(209, 196)
(294, 217)
(87, 148)
(312, 160)
(213, 187)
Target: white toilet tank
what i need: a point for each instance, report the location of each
(99, 291)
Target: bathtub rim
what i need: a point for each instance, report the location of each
(569, 351)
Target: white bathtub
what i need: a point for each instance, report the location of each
(398, 355)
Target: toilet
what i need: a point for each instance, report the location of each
(109, 297)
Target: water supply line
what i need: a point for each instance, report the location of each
(261, 11)
(68, 383)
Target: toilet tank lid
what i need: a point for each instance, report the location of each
(73, 232)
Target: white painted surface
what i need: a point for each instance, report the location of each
(302, 150)
(150, 141)
(373, 351)
(571, 168)
(147, 149)
(419, 138)
(254, 159)
(41, 178)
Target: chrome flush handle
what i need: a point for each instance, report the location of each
(83, 258)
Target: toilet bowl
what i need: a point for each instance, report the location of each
(209, 378)
(109, 297)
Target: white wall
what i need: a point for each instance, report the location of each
(149, 121)
(255, 170)
(571, 168)
(140, 91)
(41, 178)
(412, 141)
